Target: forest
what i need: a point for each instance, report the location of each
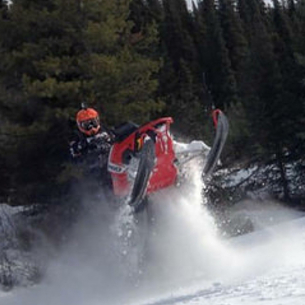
(142, 59)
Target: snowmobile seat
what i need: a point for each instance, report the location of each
(124, 130)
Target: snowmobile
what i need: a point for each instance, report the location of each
(143, 159)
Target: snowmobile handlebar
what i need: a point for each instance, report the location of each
(156, 123)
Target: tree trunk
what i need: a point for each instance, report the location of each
(284, 181)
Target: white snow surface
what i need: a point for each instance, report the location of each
(173, 254)
(190, 3)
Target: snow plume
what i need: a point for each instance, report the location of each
(260, 213)
(183, 241)
(276, 240)
(116, 257)
(89, 269)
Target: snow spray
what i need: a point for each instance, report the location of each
(115, 257)
(176, 240)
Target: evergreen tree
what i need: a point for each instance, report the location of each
(4, 138)
(292, 61)
(121, 67)
(57, 54)
(269, 108)
(181, 71)
(239, 55)
(235, 40)
(217, 64)
(263, 74)
(155, 10)
(146, 17)
(177, 34)
(299, 26)
(138, 14)
(292, 71)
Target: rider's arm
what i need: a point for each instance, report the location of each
(75, 149)
(78, 147)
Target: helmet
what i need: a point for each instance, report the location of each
(88, 121)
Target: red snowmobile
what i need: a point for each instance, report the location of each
(143, 159)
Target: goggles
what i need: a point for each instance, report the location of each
(89, 124)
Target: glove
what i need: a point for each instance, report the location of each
(75, 149)
(103, 142)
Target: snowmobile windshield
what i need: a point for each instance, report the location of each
(89, 124)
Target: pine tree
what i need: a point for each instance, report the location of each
(177, 34)
(263, 74)
(299, 26)
(217, 64)
(234, 36)
(239, 54)
(180, 74)
(293, 71)
(155, 10)
(58, 54)
(4, 138)
(270, 110)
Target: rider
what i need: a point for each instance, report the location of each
(92, 142)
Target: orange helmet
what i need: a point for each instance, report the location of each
(88, 121)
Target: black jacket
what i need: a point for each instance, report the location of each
(90, 147)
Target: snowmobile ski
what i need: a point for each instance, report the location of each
(147, 157)
(222, 128)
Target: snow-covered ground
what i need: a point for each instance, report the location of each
(190, 3)
(173, 255)
(270, 271)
